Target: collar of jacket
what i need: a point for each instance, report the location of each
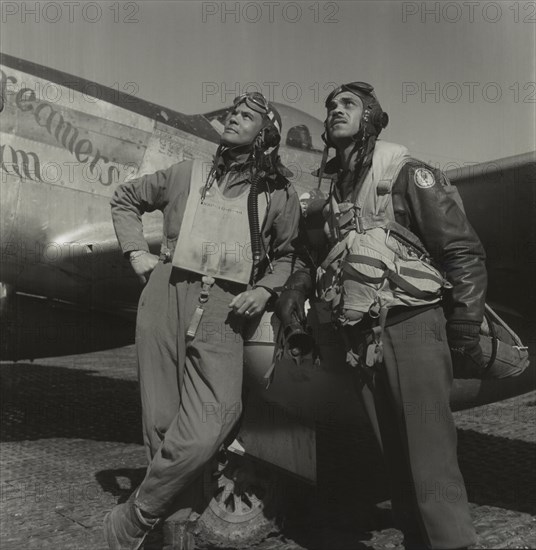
(332, 168)
(233, 160)
(239, 166)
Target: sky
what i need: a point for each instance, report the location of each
(458, 79)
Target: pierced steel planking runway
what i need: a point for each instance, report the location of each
(71, 448)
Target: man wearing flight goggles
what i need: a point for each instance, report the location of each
(398, 260)
(258, 103)
(228, 243)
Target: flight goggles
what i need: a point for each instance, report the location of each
(258, 103)
(357, 88)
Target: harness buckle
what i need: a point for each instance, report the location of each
(358, 220)
(207, 283)
(374, 310)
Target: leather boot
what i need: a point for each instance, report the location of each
(125, 528)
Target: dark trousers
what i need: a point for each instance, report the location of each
(407, 401)
(190, 388)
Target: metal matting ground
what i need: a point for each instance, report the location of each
(71, 448)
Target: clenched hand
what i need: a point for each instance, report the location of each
(143, 264)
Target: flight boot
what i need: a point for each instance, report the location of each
(125, 528)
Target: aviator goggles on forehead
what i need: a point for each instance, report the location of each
(358, 88)
(258, 103)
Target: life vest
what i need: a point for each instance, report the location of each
(375, 263)
(215, 238)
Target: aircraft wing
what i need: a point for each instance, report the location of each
(499, 198)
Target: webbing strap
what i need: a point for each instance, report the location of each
(491, 314)
(408, 287)
(373, 262)
(346, 217)
(416, 274)
(385, 185)
(391, 275)
(354, 273)
(494, 341)
(332, 217)
(406, 235)
(334, 253)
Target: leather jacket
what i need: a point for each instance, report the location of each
(449, 238)
(429, 212)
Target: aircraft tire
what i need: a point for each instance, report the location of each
(243, 506)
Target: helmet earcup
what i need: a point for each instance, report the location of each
(376, 118)
(270, 136)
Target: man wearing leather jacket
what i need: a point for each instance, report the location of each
(405, 386)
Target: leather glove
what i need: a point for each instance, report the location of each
(464, 342)
(290, 308)
(290, 304)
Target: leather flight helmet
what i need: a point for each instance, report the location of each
(270, 133)
(373, 120)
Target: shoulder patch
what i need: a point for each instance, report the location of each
(424, 178)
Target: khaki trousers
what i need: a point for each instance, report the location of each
(190, 388)
(407, 401)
